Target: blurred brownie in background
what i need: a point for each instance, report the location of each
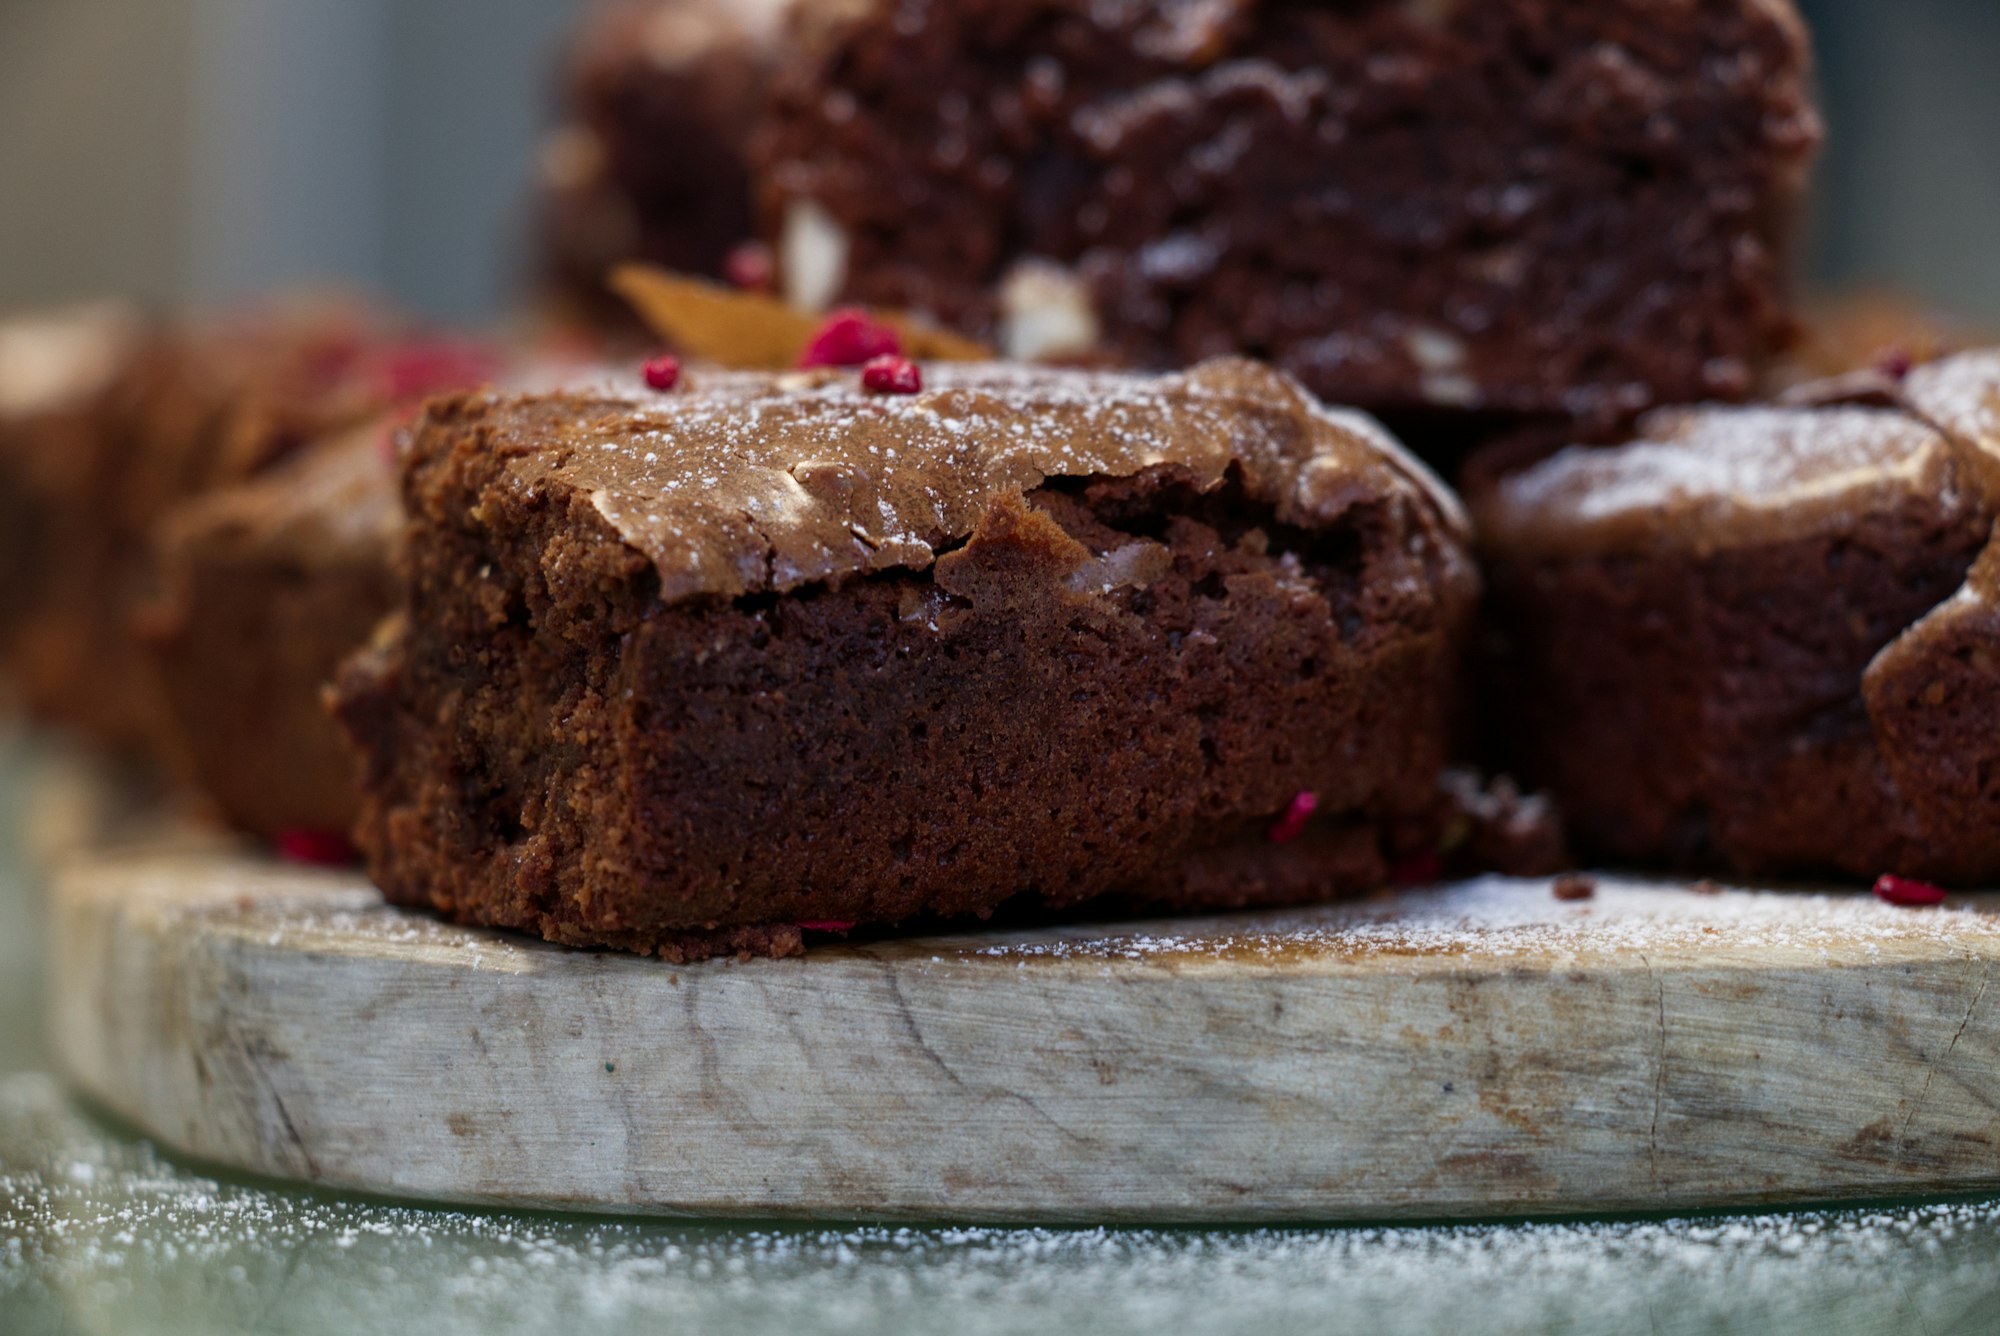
(264, 588)
(1447, 213)
(69, 393)
(186, 408)
(658, 100)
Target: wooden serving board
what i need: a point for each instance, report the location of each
(1479, 1050)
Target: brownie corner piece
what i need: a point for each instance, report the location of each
(680, 674)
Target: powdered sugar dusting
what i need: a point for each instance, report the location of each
(1499, 920)
(1962, 396)
(95, 1224)
(1715, 476)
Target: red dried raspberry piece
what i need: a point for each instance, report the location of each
(1293, 823)
(1903, 891)
(321, 848)
(826, 925)
(892, 375)
(1895, 362)
(663, 372)
(849, 338)
(750, 267)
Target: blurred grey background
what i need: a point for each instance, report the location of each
(197, 150)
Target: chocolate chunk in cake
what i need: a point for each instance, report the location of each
(684, 672)
(1767, 638)
(1495, 212)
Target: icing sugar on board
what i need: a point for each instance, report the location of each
(1479, 1050)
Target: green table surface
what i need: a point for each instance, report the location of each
(103, 1232)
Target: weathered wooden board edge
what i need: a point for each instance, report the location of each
(888, 1084)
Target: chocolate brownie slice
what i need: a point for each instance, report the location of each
(1509, 210)
(265, 588)
(66, 381)
(659, 98)
(189, 407)
(1765, 638)
(685, 673)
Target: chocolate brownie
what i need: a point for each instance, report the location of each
(1767, 639)
(650, 161)
(1511, 210)
(191, 407)
(65, 389)
(687, 673)
(265, 588)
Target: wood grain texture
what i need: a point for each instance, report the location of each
(1476, 1051)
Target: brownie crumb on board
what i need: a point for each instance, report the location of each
(1573, 886)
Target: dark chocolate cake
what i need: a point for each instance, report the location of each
(659, 100)
(693, 672)
(1496, 212)
(1767, 639)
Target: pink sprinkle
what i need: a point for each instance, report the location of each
(825, 925)
(849, 338)
(663, 372)
(1417, 870)
(321, 848)
(750, 267)
(1895, 362)
(1293, 823)
(892, 375)
(1903, 891)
